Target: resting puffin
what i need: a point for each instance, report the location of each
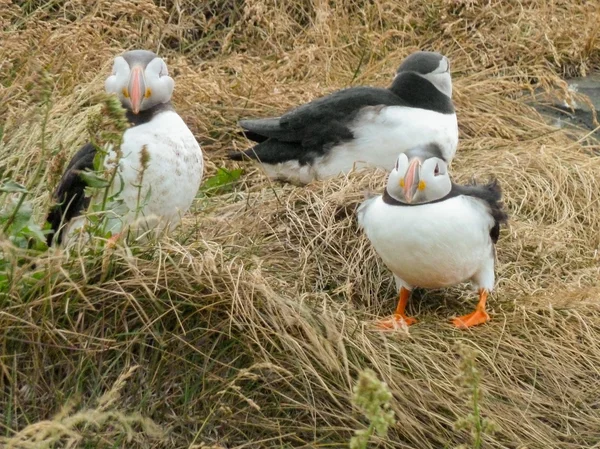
(157, 138)
(432, 233)
(359, 126)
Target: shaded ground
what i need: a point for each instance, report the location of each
(580, 115)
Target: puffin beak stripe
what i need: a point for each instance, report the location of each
(137, 88)
(411, 180)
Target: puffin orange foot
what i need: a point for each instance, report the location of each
(395, 322)
(472, 319)
(480, 316)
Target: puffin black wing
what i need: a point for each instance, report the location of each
(311, 129)
(261, 129)
(491, 193)
(70, 193)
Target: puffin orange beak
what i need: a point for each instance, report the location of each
(411, 180)
(137, 89)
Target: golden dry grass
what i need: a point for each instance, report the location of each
(250, 325)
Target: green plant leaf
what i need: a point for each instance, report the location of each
(13, 187)
(94, 180)
(19, 218)
(221, 182)
(4, 281)
(34, 231)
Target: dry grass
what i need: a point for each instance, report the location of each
(68, 429)
(250, 325)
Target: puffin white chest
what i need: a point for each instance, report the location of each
(432, 245)
(159, 172)
(381, 133)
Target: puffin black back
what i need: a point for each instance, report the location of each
(343, 105)
(312, 129)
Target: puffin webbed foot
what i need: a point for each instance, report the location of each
(399, 318)
(472, 319)
(396, 322)
(479, 316)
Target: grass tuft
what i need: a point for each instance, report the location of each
(71, 429)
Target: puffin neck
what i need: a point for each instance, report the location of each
(390, 200)
(147, 114)
(420, 93)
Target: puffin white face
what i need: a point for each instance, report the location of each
(417, 180)
(140, 79)
(432, 66)
(440, 77)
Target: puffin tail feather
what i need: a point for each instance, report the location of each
(494, 200)
(242, 155)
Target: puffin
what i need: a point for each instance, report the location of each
(433, 233)
(161, 167)
(359, 127)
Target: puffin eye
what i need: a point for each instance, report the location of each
(163, 70)
(436, 172)
(396, 166)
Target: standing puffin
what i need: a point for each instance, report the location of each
(432, 233)
(359, 126)
(157, 139)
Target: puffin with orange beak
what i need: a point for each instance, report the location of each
(433, 233)
(141, 81)
(161, 166)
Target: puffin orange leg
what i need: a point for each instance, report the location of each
(479, 316)
(399, 316)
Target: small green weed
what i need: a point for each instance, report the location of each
(106, 134)
(16, 217)
(469, 378)
(373, 397)
(222, 182)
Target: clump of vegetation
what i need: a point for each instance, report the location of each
(474, 422)
(75, 429)
(16, 217)
(373, 397)
(17, 222)
(106, 135)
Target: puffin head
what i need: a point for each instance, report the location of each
(432, 66)
(419, 176)
(140, 79)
